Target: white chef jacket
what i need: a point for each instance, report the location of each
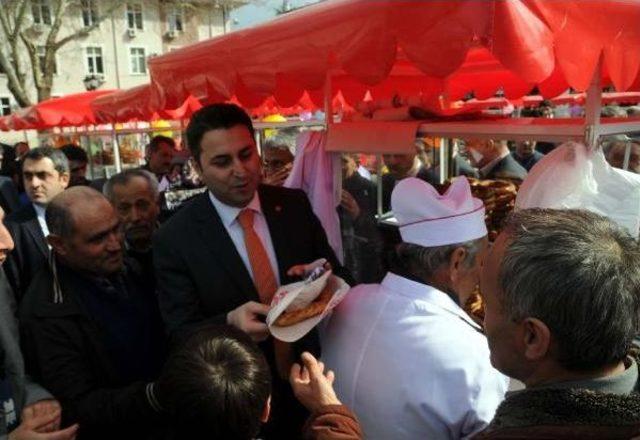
(411, 363)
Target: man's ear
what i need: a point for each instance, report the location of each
(456, 262)
(266, 411)
(65, 178)
(537, 339)
(57, 244)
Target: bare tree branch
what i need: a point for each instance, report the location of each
(87, 30)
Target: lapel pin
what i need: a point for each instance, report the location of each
(278, 208)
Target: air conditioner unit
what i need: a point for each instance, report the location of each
(170, 35)
(131, 33)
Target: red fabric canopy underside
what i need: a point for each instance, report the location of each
(135, 105)
(68, 111)
(410, 47)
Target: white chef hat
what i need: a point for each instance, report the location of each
(429, 219)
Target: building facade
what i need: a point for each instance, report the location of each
(114, 56)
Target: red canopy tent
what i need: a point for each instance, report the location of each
(70, 110)
(410, 47)
(135, 105)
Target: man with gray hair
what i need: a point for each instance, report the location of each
(562, 307)
(277, 156)
(408, 360)
(92, 329)
(45, 172)
(134, 195)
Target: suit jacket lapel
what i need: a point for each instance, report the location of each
(217, 240)
(33, 227)
(273, 211)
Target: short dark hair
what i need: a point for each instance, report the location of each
(579, 273)
(213, 117)
(216, 385)
(156, 141)
(74, 152)
(60, 162)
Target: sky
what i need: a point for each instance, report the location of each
(259, 11)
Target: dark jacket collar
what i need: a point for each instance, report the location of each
(42, 295)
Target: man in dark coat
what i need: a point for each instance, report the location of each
(92, 329)
(494, 160)
(45, 175)
(526, 154)
(221, 257)
(561, 312)
(134, 195)
(361, 240)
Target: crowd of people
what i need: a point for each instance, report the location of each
(121, 322)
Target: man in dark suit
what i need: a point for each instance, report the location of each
(45, 173)
(494, 160)
(221, 257)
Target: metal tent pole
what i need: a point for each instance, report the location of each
(593, 107)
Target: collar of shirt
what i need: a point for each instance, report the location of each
(418, 291)
(488, 167)
(40, 210)
(620, 384)
(40, 215)
(229, 214)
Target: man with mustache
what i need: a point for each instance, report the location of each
(92, 330)
(45, 172)
(134, 195)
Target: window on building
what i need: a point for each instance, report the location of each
(95, 64)
(41, 52)
(175, 17)
(5, 106)
(89, 12)
(41, 11)
(134, 16)
(138, 60)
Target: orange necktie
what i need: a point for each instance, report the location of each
(265, 282)
(263, 276)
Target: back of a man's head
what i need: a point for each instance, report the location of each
(578, 273)
(217, 385)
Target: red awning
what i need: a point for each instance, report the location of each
(410, 47)
(135, 105)
(70, 110)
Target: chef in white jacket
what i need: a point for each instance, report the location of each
(408, 360)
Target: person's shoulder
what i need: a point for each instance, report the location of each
(185, 215)
(280, 195)
(280, 191)
(22, 215)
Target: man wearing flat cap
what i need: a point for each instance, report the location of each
(408, 359)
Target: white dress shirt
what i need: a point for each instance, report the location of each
(229, 216)
(411, 363)
(40, 210)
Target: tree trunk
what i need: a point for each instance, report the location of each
(44, 93)
(19, 94)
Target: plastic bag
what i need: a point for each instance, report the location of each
(571, 176)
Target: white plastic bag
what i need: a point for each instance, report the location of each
(573, 177)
